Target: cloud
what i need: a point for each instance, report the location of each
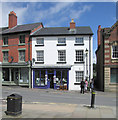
(7, 7)
(51, 14)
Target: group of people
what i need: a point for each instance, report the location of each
(84, 86)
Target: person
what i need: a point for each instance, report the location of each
(86, 85)
(82, 86)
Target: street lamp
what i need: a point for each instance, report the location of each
(86, 51)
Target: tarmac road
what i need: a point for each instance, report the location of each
(57, 96)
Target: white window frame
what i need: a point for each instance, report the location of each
(116, 52)
(77, 56)
(39, 41)
(62, 40)
(79, 40)
(62, 56)
(40, 58)
(79, 75)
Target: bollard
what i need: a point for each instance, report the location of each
(92, 98)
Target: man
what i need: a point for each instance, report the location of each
(82, 86)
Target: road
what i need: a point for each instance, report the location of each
(56, 96)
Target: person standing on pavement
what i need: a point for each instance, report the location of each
(82, 86)
(86, 85)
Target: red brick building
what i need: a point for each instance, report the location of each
(107, 58)
(15, 52)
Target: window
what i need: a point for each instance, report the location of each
(21, 55)
(40, 41)
(61, 40)
(22, 39)
(79, 76)
(5, 41)
(61, 55)
(114, 75)
(115, 52)
(79, 40)
(5, 56)
(40, 56)
(79, 55)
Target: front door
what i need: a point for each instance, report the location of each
(50, 77)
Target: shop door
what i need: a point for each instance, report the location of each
(14, 73)
(50, 77)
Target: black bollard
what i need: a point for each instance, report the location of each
(92, 98)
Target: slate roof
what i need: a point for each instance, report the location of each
(2, 29)
(21, 28)
(49, 31)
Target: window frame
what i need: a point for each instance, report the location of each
(24, 55)
(4, 40)
(78, 56)
(79, 39)
(40, 57)
(113, 51)
(63, 58)
(5, 61)
(39, 44)
(61, 41)
(79, 77)
(20, 39)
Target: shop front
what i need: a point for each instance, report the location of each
(51, 78)
(16, 75)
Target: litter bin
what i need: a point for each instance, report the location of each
(14, 104)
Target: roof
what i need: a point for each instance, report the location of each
(21, 28)
(2, 29)
(49, 31)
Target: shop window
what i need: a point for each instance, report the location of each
(24, 75)
(58, 78)
(39, 77)
(64, 77)
(5, 74)
(79, 76)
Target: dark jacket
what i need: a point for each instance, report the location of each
(82, 84)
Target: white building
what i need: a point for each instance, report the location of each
(62, 57)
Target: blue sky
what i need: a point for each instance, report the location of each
(59, 14)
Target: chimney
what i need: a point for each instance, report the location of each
(12, 19)
(98, 34)
(72, 25)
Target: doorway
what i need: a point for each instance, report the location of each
(50, 77)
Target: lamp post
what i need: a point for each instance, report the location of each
(86, 51)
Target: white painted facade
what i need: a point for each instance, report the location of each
(50, 49)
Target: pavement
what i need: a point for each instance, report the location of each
(36, 109)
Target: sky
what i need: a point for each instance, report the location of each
(59, 14)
